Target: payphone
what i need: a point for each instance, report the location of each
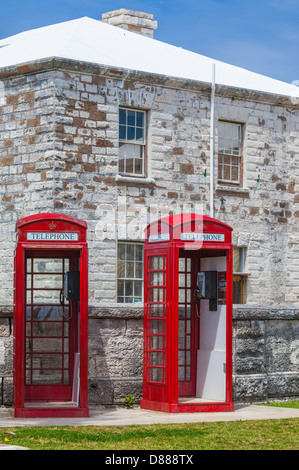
(206, 288)
(71, 287)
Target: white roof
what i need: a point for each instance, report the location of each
(93, 41)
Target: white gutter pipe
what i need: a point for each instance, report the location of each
(212, 144)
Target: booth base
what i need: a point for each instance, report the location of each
(51, 412)
(201, 407)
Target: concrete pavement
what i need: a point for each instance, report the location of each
(122, 416)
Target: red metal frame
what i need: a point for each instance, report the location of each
(53, 227)
(164, 239)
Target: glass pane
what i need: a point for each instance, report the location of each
(48, 313)
(121, 251)
(120, 288)
(139, 252)
(157, 295)
(122, 132)
(130, 270)
(52, 345)
(182, 264)
(156, 359)
(121, 165)
(130, 133)
(130, 251)
(138, 289)
(156, 327)
(181, 280)
(138, 166)
(54, 281)
(47, 265)
(156, 375)
(157, 343)
(131, 116)
(138, 270)
(156, 311)
(139, 134)
(157, 279)
(140, 119)
(45, 329)
(157, 262)
(44, 297)
(129, 288)
(182, 373)
(122, 116)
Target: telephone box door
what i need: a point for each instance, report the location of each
(50, 328)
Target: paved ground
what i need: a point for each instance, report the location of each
(125, 417)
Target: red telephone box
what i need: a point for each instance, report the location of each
(187, 315)
(50, 317)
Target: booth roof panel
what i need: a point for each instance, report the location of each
(181, 219)
(49, 216)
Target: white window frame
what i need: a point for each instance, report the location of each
(227, 152)
(132, 146)
(122, 274)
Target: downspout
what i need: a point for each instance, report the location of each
(212, 144)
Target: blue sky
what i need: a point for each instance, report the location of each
(259, 35)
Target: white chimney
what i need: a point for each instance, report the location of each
(136, 21)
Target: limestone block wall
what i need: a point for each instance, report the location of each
(59, 151)
(265, 355)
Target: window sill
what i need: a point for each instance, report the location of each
(233, 190)
(134, 179)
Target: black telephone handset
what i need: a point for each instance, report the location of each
(71, 288)
(61, 298)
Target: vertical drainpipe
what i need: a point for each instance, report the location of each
(212, 144)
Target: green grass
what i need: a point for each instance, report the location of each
(241, 435)
(284, 404)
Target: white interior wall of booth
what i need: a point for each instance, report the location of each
(211, 356)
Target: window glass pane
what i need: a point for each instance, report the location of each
(131, 116)
(130, 251)
(121, 251)
(129, 165)
(122, 132)
(120, 288)
(138, 166)
(140, 119)
(138, 270)
(130, 270)
(138, 289)
(139, 134)
(122, 116)
(139, 252)
(130, 133)
(129, 288)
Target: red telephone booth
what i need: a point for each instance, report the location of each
(50, 317)
(187, 315)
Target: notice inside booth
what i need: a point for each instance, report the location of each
(188, 315)
(50, 317)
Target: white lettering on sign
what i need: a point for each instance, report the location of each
(203, 237)
(52, 236)
(159, 237)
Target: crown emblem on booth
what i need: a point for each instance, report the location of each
(52, 225)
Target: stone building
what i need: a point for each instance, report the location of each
(100, 121)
